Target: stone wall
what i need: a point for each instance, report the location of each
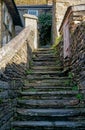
(59, 9)
(31, 20)
(78, 55)
(14, 61)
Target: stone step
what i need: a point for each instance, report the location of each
(45, 63)
(48, 125)
(38, 85)
(48, 103)
(44, 51)
(50, 114)
(48, 95)
(54, 79)
(43, 74)
(52, 83)
(44, 68)
(45, 88)
(44, 58)
(47, 76)
(63, 93)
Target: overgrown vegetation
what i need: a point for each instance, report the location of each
(45, 24)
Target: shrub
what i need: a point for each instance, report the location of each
(45, 23)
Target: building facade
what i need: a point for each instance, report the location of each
(34, 10)
(9, 18)
(59, 9)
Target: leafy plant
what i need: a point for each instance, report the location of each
(29, 72)
(45, 24)
(79, 96)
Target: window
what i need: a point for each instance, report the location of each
(33, 12)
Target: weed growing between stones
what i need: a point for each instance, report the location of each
(80, 96)
(75, 88)
(70, 75)
(29, 71)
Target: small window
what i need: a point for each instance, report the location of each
(33, 12)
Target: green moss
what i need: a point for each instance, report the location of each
(58, 39)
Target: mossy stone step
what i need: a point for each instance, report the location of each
(51, 68)
(48, 125)
(50, 93)
(45, 88)
(49, 114)
(47, 103)
(45, 63)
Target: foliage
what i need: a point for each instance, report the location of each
(45, 23)
(29, 71)
(75, 88)
(80, 96)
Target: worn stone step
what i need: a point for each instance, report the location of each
(47, 98)
(44, 58)
(48, 79)
(50, 114)
(43, 85)
(48, 51)
(40, 72)
(45, 63)
(44, 68)
(48, 103)
(49, 83)
(46, 76)
(48, 125)
(50, 93)
(45, 88)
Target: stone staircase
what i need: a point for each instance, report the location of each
(47, 100)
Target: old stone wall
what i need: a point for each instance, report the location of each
(14, 61)
(78, 55)
(59, 9)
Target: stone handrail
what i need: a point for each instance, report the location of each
(8, 51)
